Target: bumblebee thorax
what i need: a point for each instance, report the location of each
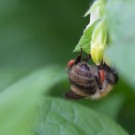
(84, 66)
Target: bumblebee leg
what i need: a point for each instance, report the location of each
(72, 95)
(98, 82)
(107, 68)
(100, 66)
(100, 75)
(87, 58)
(78, 59)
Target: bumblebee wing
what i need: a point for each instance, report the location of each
(72, 95)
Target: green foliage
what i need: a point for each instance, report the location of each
(121, 22)
(64, 118)
(115, 101)
(95, 39)
(40, 35)
(22, 105)
(19, 102)
(84, 42)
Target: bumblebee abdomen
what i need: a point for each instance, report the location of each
(82, 79)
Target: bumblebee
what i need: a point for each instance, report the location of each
(89, 81)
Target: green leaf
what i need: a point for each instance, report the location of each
(59, 117)
(121, 29)
(19, 102)
(85, 40)
(10, 76)
(115, 103)
(127, 115)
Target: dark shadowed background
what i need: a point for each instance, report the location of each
(36, 33)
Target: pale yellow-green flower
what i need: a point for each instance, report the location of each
(99, 35)
(98, 42)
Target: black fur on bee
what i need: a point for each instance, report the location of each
(85, 79)
(111, 75)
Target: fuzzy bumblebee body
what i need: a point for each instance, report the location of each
(90, 82)
(83, 82)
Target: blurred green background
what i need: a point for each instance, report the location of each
(36, 34)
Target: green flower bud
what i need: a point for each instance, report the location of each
(98, 42)
(100, 5)
(97, 10)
